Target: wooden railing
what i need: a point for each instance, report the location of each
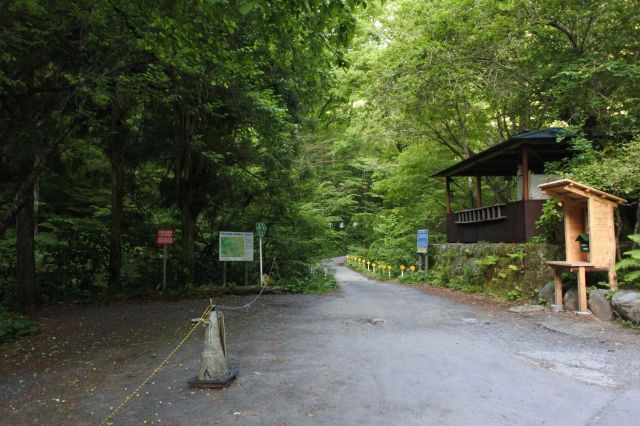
(481, 214)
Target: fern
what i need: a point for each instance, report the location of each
(631, 263)
(628, 263)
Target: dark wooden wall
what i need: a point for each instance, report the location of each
(519, 226)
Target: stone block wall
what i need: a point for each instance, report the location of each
(512, 270)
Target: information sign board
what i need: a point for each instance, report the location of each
(422, 241)
(164, 236)
(236, 246)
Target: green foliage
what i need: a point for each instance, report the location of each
(631, 263)
(416, 278)
(463, 284)
(396, 239)
(317, 283)
(72, 255)
(615, 168)
(610, 294)
(485, 263)
(439, 276)
(628, 323)
(514, 295)
(194, 109)
(549, 222)
(517, 256)
(418, 97)
(13, 325)
(7, 272)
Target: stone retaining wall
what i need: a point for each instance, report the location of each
(515, 271)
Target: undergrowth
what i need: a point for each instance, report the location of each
(415, 278)
(14, 325)
(628, 323)
(315, 284)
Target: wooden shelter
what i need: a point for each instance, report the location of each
(522, 156)
(590, 240)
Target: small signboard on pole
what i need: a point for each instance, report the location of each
(164, 237)
(261, 230)
(422, 243)
(236, 246)
(422, 246)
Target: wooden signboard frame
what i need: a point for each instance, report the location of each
(586, 211)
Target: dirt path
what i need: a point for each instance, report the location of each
(370, 353)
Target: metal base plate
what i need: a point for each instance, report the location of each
(214, 384)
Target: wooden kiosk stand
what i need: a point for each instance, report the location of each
(590, 241)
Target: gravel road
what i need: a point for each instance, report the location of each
(371, 353)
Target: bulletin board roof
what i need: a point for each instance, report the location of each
(571, 190)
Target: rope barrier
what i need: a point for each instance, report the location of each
(136, 392)
(246, 305)
(199, 321)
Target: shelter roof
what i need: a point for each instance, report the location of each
(543, 146)
(566, 189)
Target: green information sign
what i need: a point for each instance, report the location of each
(261, 229)
(236, 246)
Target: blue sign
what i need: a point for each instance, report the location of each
(422, 241)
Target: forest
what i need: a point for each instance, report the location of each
(324, 119)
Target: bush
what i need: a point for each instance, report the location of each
(7, 271)
(13, 325)
(416, 277)
(514, 295)
(73, 255)
(315, 284)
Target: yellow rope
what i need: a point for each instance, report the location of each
(202, 318)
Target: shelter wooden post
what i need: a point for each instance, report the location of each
(590, 241)
(448, 184)
(478, 191)
(524, 162)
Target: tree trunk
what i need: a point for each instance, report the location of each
(117, 145)
(25, 255)
(188, 230)
(25, 188)
(117, 195)
(192, 179)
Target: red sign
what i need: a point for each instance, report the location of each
(164, 236)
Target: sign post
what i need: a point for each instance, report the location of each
(422, 246)
(235, 247)
(164, 237)
(261, 230)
